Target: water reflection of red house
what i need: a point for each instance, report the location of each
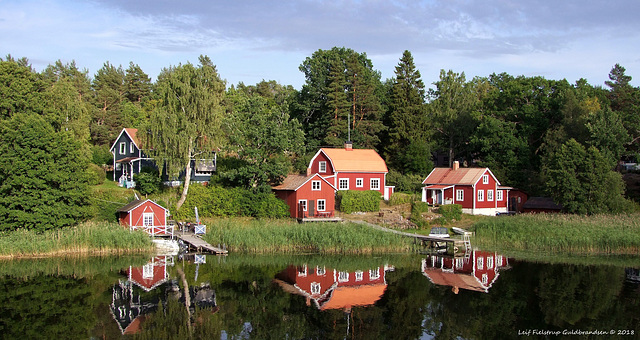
(333, 289)
(152, 274)
(477, 272)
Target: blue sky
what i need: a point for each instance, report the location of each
(254, 40)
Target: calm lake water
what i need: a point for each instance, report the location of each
(482, 295)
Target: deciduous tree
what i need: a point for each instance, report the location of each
(186, 124)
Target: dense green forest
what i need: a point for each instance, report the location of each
(547, 137)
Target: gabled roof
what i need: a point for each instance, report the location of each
(464, 176)
(132, 133)
(354, 160)
(136, 203)
(294, 182)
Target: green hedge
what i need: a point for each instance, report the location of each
(216, 201)
(450, 212)
(351, 201)
(401, 198)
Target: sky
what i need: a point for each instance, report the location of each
(251, 41)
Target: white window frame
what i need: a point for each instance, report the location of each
(322, 166)
(490, 195)
(303, 203)
(499, 196)
(480, 263)
(315, 288)
(485, 279)
(359, 182)
(485, 179)
(131, 149)
(377, 184)
(374, 274)
(302, 271)
(147, 271)
(459, 195)
(499, 260)
(359, 275)
(316, 185)
(123, 148)
(490, 262)
(146, 218)
(480, 195)
(321, 205)
(343, 276)
(341, 181)
(321, 271)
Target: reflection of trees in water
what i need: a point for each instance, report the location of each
(569, 294)
(45, 307)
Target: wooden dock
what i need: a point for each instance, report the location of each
(196, 243)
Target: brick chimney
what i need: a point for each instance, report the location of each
(456, 165)
(348, 145)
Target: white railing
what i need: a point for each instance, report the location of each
(156, 230)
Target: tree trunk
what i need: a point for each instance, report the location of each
(187, 177)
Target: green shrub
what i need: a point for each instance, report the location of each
(450, 212)
(101, 155)
(95, 174)
(351, 201)
(147, 182)
(400, 198)
(417, 208)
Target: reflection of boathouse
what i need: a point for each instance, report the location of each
(333, 289)
(136, 296)
(476, 272)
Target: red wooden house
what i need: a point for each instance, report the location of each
(307, 196)
(477, 272)
(477, 190)
(147, 215)
(352, 169)
(333, 289)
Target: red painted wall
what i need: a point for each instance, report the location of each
(290, 197)
(159, 215)
(492, 185)
(366, 177)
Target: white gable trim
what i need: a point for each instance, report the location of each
(425, 180)
(490, 173)
(118, 138)
(145, 201)
(333, 168)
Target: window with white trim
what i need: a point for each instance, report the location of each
(480, 263)
(123, 148)
(343, 184)
(322, 166)
(485, 279)
(374, 274)
(315, 288)
(499, 195)
(131, 149)
(302, 271)
(315, 185)
(375, 184)
(489, 195)
(359, 275)
(147, 271)
(147, 219)
(302, 204)
(321, 206)
(485, 179)
(343, 276)
(499, 260)
(490, 262)
(321, 271)
(459, 195)
(480, 195)
(359, 182)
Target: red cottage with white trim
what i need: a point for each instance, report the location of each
(477, 190)
(147, 215)
(352, 169)
(307, 196)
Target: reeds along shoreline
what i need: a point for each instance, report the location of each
(600, 234)
(285, 236)
(87, 238)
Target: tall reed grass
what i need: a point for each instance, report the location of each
(600, 234)
(284, 236)
(90, 237)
